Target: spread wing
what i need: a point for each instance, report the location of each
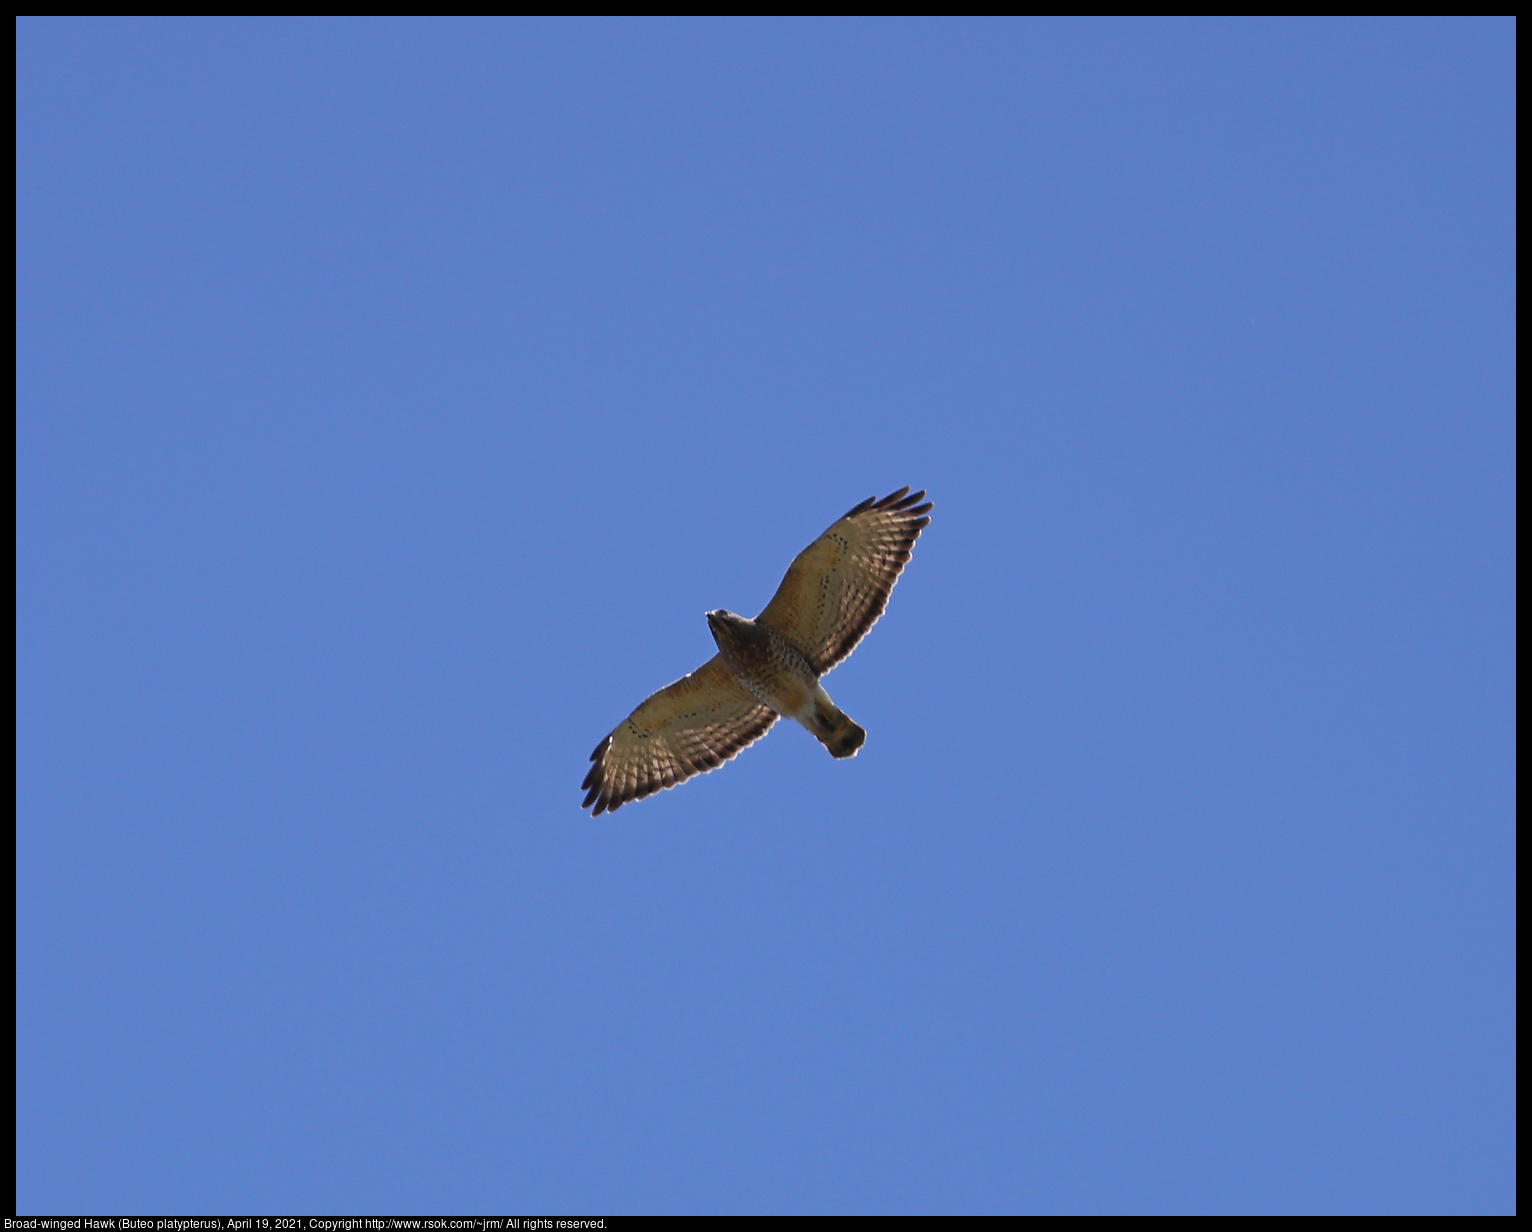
(839, 585)
(687, 728)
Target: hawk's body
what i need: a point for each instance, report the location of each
(833, 593)
(778, 674)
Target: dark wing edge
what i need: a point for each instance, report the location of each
(906, 518)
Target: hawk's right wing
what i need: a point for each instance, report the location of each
(687, 728)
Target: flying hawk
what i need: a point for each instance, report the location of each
(833, 593)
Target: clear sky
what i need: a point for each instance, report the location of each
(395, 398)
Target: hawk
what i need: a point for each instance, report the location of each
(833, 593)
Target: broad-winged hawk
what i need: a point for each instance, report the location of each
(833, 593)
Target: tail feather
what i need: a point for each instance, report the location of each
(837, 732)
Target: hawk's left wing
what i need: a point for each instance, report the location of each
(839, 585)
(687, 728)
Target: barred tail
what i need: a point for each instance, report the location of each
(837, 732)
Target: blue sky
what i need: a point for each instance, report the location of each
(396, 396)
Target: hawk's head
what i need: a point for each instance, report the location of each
(722, 619)
(733, 633)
